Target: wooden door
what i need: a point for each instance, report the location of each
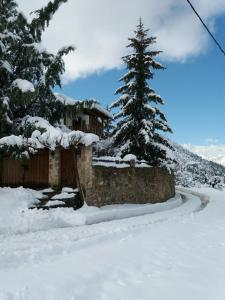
(37, 169)
(11, 172)
(68, 177)
(28, 173)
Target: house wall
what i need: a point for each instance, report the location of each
(85, 118)
(87, 122)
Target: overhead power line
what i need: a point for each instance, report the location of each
(206, 27)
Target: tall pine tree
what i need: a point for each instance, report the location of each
(28, 73)
(139, 120)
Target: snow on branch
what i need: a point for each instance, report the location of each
(46, 136)
(5, 65)
(23, 85)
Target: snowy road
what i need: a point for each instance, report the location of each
(177, 253)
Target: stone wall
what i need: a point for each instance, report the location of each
(84, 165)
(111, 185)
(54, 168)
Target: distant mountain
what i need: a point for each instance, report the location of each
(192, 170)
(214, 153)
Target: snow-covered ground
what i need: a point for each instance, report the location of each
(176, 250)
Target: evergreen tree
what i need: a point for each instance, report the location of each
(28, 73)
(139, 120)
(109, 126)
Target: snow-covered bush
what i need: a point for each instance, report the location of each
(43, 135)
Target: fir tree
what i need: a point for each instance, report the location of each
(139, 120)
(109, 126)
(24, 61)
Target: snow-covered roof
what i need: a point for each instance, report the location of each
(48, 136)
(95, 106)
(65, 99)
(102, 110)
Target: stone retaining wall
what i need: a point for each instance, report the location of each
(111, 185)
(103, 185)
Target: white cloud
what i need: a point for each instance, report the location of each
(212, 141)
(214, 153)
(100, 28)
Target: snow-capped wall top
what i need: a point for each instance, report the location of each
(95, 106)
(48, 136)
(130, 157)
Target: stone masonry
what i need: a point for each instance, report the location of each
(84, 165)
(135, 185)
(54, 168)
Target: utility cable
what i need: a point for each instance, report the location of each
(206, 27)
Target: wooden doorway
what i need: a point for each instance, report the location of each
(68, 176)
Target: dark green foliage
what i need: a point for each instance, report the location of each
(15, 152)
(23, 58)
(27, 129)
(109, 126)
(43, 18)
(3, 119)
(139, 120)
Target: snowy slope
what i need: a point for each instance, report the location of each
(192, 170)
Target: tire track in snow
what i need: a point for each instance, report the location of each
(42, 246)
(204, 198)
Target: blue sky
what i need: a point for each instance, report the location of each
(194, 93)
(193, 85)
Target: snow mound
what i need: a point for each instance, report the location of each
(17, 218)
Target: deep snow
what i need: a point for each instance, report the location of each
(176, 253)
(17, 218)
